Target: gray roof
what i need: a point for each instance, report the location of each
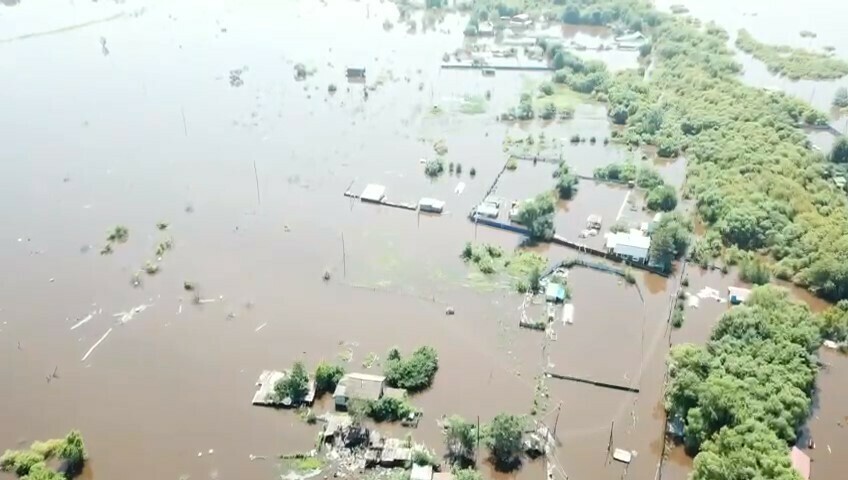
(361, 386)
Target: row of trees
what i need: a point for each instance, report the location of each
(32, 464)
(745, 394)
(661, 197)
(795, 63)
(503, 436)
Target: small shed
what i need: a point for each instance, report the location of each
(373, 193)
(431, 205)
(633, 245)
(800, 462)
(421, 472)
(737, 295)
(555, 292)
(622, 455)
(486, 29)
(493, 200)
(356, 72)
(487, 210)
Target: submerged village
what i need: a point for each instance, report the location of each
(438, 240)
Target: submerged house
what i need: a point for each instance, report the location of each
(358, 386)
(356, 72)
(431, 205)
(632, 245)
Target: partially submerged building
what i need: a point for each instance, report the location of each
(594, 221)
(358, 386)
(487, 210)
(737, 295)
(373, 193)
(632, 245)
(555, 292)
(800, 462)
(431, 205)
(266, 396)
(355, 72)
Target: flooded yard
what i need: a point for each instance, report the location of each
(156, 112)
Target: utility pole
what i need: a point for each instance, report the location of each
(609, 444)
(556, 420)
(344, 256)
(256, 174)
(477, 450)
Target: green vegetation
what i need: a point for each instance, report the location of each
(630, 14)
(662, 198)
(754, 271)
(794, 63)
(434, 167)
(833, 322)
(473, 105)
(421, 456)
(840, 99)
(538, 216)
(670, 239)
(32, 464)
(467, 474)
(745, 394)
(294, 386)
(512, 164)
(389, 409)
(119, 234)
(677, 317)
(504, 439)
(415, 373)
(582, 76)
(460, 440)
(523, 266)
(839, 153)
(327, 376)
(566, 182)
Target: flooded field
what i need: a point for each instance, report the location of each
(164, 112)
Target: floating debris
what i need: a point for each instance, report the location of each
(127, 316)
(83, 321)
(260, 327)
(235, 77)
(96, 344)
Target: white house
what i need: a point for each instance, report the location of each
(358, 386)
(633, 245)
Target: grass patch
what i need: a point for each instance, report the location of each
(521, 267)
(795, 63)
(473, 105)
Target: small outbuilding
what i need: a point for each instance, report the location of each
(486, 29)
(555, 293)
(632, 245)
(373, 193)
(594, 221)
(737, 295)
(356, 72)
(487, 210)
(431, 205)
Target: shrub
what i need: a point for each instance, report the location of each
(434, 167)
(677, 318)
(389, 409)
(754, 271)
(415, 373)
(662, 198)
(327, 376)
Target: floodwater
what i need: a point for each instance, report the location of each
(155, 111)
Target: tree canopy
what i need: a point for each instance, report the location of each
(662, 198)
(840, 98)
(294, 386)
(794, 63)
(31, 464)
(327, 376)
(834, 322)
(538, 216)
(566, 182)
(460, 440)
(504, 439)
(415, 373)
(839, 152)
(751, 383)
(670, 239)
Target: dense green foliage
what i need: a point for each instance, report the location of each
(31, 464)
(840, 98)
(756, 182)
(327, 376)
(434, 167)
(669, 239)
(584, 76)
(795, 63)
(566, 182)
(662, 198)
(754, 271)
(839, 153)
(389, 409)
(751, 383)
(467, 474)
(631, 14)
(834, 322)
(504, 439)
(538, 216)
(294, 386)
(415, 373)
(460, 440)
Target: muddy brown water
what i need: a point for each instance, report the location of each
(91, 141)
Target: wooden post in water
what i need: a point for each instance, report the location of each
(256, 175)
(344, 257)
(556, 420)
(609, 444)
(477, 450)
(185, 128)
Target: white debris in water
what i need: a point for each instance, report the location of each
(708, 292)
(199, 454)
(260, 327)
(211, 451)
(96, 344)
(127, 316)
(460, 187)
(692, 300)
(83, 321)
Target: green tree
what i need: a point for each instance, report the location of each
(40, 471)
(834, 322)
(750, 450)
(460, 439)
(293, 386)
(19, 462)
(327, 376)
(755, 271)
(839, 153)
(840, 99)
(566, 182)
(504, 440)
(467, 474)
(73, 452)
(538, 216)
(415, 373)
(662, 198)
(389, 409)
(670, 239)
(548, 112)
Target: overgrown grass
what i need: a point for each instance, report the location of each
(473, 105)
(521, 266)
(794, 63)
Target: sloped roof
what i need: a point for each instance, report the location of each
(800, 462)
(361, 386)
